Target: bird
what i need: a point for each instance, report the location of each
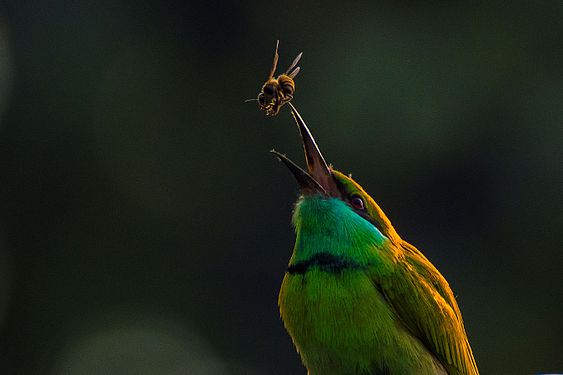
(356, 298)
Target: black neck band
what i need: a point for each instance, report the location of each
(325, 262)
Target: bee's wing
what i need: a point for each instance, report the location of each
(292, 66)
(294, 73)
(275, 63)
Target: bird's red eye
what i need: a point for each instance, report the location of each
(357, 202)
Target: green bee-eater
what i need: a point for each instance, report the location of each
(357, 298)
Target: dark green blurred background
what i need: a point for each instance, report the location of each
(144, 228)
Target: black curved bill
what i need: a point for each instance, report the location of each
(318, 177)
(307, 183)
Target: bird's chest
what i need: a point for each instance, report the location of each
(337, 320)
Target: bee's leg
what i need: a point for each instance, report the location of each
(286, 99)
(270, 109)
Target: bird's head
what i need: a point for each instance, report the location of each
(329, 196)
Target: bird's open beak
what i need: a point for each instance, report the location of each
(318, 178)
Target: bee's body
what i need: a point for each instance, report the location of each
(278, 91)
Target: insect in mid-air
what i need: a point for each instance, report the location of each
(278, 91)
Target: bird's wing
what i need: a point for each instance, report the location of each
(425, 304)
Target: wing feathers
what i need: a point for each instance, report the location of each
(425, 304)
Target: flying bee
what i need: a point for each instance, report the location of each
(278, 91)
